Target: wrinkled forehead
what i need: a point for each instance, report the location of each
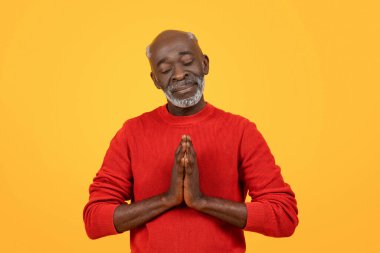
(171, 47)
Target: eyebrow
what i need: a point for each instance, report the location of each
(185, 52)
(180, 53)
(161, 61)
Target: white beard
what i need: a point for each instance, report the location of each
(190, 101)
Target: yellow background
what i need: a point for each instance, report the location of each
(306, 72)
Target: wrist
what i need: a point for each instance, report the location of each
(169, 201)
(200, 203)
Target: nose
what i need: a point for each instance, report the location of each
(178, 73)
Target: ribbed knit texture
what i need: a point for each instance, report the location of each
(233, 159)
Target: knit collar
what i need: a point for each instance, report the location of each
(204, 113)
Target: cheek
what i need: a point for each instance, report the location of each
(163, 80)
(196, 69)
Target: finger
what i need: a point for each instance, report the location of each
(183, 143)
(189, 140)
(187, 146)
(189, 168)
(184, 146)
(190, 148)
(186, 140)
(186, 161)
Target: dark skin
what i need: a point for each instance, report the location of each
(174, 56)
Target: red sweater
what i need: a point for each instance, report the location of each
(233, 159)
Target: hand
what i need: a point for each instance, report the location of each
(192, 194)
(175, 193)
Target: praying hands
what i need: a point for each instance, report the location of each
(185, 187)
(185, 175)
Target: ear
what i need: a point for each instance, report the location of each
(155, 81)
(205, 64)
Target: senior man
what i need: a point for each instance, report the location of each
(187, 166)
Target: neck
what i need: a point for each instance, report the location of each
(178, 111)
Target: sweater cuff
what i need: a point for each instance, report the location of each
(102, 224)
(108, 219)
(256, 218)
(106, 224)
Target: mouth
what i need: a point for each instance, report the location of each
(184, 89)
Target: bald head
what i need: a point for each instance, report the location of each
(170, 35)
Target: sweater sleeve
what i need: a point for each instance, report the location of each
(273, 207)
(111, 186)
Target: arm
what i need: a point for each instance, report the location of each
(106, 212)
(273, 208)
(229, 211)
(111, 186)
(130, 216)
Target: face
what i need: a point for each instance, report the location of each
(178, 68)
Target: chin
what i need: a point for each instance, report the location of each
(188, 99)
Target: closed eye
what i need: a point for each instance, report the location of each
(165, 71)
(188, 63)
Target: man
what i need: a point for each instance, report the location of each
(187, 167)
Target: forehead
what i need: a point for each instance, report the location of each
(172, 47)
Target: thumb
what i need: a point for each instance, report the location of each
(188, 168)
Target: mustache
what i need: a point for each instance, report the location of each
(188, 80)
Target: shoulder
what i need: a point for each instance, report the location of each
(135, 126)
(233, 119)
(140, 120)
